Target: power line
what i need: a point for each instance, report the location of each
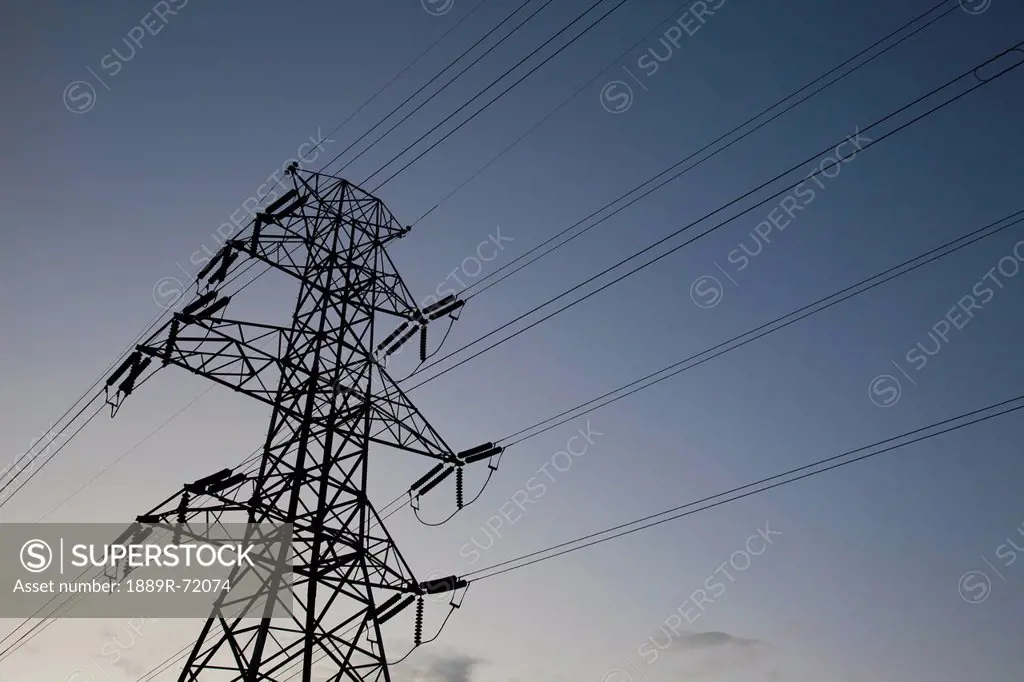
(436, 76)
(408, 66)
(763, 327)
(932, 111)
(838, 295)
(52, 455)
(767, 328)
(496, 97)
(158, 318)
(750, 489)
(690, 167)
(174, 658)
(656, 259)
(590, 82)
(547, 116)
(808, 310)
(95, 414)
(379, 91)
(752, 493)
(127, 452)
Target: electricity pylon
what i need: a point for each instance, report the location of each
(331, 398)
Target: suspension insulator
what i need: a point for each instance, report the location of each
(182, 509)
(426, 477)
(445, 305)
(447, 310)
(129, 361)
(458, 487)
(485, 454)
(128, 385)
(384, 617)
(172, 338)
(212, 263)
(226, 483)
(281, 201)
(474, 451)
(230, 257)
(199, 487)
(419, 622)
(389, 339)
(433, 484)
(198, 304)
(423, 344)
(401, 341)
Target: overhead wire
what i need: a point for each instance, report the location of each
(656, 259)
(935, 19)
(56, 452)
(501, 94)
(953, 8)
(157, 319)
(953, 99)
(765, 484)
(182, 653)
(540, 122)
(905, 267)
(748, 490)
(442, 88)
(34, 457)
(419, 367)
(880, 138)
(405, 70)
(777, 324)
(379, 91)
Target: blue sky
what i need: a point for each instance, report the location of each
(105, 207)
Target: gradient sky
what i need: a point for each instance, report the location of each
(862, 584)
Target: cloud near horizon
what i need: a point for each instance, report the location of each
(714, 638)
(439, 667)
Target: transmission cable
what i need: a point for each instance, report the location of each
(496, 97)
(916, 119)
(741, 492)
(159, 316)
(980, 83)
(436, 76)
(490, 572)
(767, 328)
(466, 104)
(962, 94)
(708, 503)
(408, 66)
(157, 319)
(14, 477)
(739, 127)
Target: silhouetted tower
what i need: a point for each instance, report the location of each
(331, 398)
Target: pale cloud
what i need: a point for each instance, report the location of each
(438, 667)
(711, 654)
(714, 639)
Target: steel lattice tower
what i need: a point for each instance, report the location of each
(331, 398)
